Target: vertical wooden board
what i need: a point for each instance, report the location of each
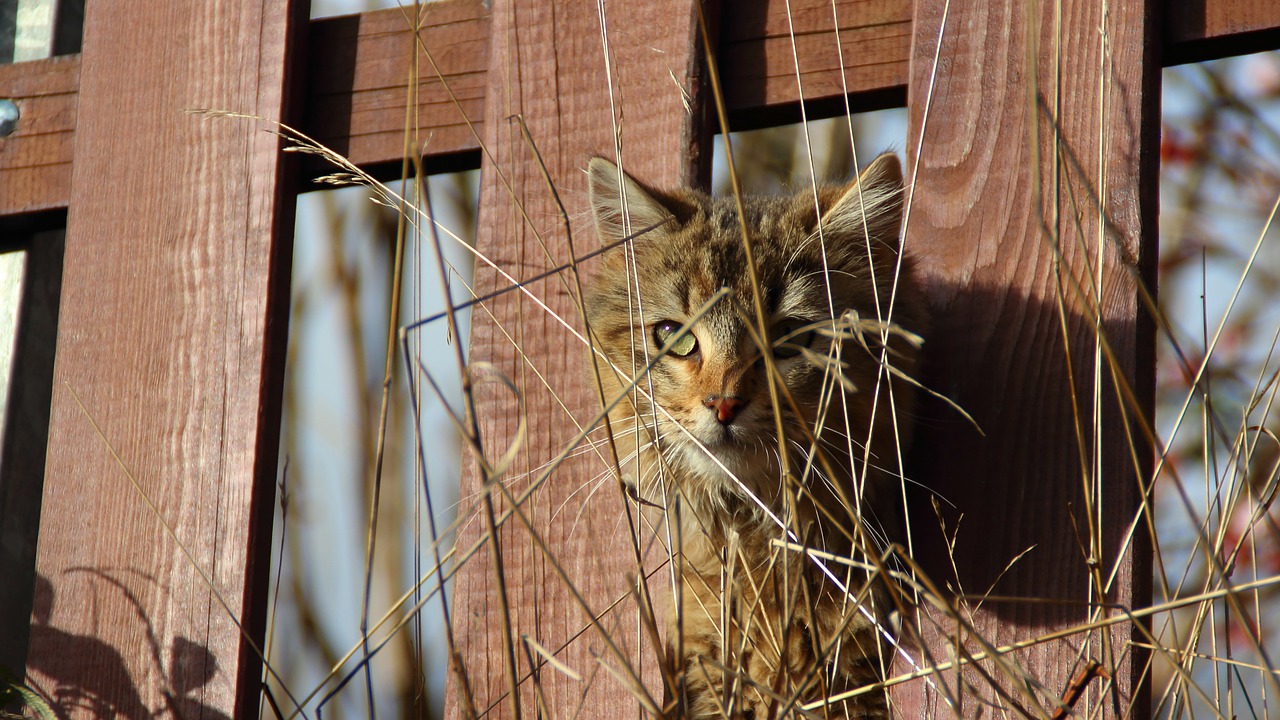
(993, 165)
(176, 256)
(550, 66)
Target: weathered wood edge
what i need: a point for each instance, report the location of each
(364, 119)
(275, 343)
(35, 161)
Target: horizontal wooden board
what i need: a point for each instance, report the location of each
(760, 48)
(357, 78)
(1197, 30)
(35, 161)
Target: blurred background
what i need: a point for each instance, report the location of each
(1219, 269)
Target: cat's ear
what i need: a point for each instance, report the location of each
(608, 187)
(869, 205)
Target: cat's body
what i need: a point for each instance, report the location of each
(708, 453)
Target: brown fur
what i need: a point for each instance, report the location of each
(793, 636)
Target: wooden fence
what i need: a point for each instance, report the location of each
(164, 398)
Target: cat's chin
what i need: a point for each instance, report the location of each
(727, 460)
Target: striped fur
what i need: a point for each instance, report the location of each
(757, 631)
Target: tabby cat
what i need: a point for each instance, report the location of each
(759, 630)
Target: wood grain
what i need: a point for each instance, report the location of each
(35, 161)
(998, 189)
(170, 332)
(548, 66)
(758, 57)
(1198, 30)
(357, 78)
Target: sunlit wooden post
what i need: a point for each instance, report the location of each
(170, 335)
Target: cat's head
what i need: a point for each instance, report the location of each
(679, 301)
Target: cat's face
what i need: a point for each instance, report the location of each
(680, 301)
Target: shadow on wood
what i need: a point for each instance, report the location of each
(92, 675)
(1003, 527)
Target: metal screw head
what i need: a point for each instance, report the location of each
(9, 114)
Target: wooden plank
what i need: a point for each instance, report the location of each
(356, 78)
(358, 71)
(176, 272)
(759, 49)
(548, 65)
(989, 171)
(1198, 30)
(35, 161)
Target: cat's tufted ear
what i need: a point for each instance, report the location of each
(608, 188)
(869, 205)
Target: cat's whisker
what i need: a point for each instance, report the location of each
(859, 446)
(594, 484)
(809, 464)
(820, 273)
(623, 461)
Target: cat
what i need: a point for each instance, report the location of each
(759, 630)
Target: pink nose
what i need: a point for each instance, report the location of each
(726, 406)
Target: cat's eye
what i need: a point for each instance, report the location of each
(666, 331)
(790, 336)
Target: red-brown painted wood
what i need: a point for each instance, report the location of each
(997, 190)
(35, 161)
(760, 47)
(171, 332)
(548, 66)
(357, 74)
(358, 70)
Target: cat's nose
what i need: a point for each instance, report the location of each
(727, 407)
